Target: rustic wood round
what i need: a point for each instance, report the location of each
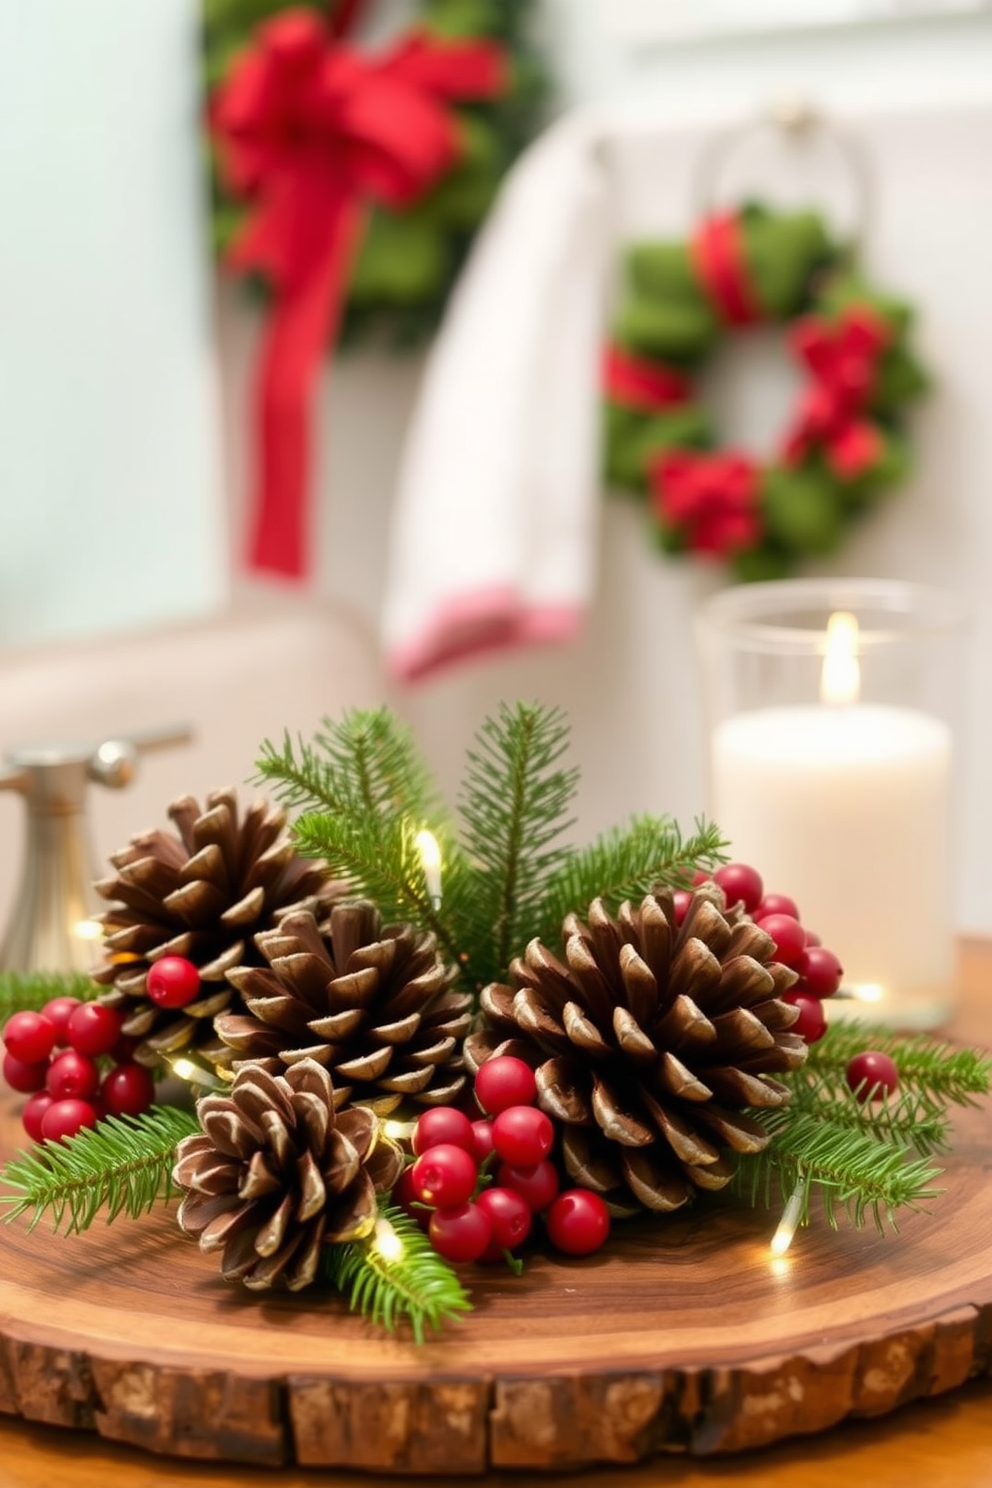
(685, 1336)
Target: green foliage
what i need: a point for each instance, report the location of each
(507, 873)
(418, 1285)
(22, 991)
(121, 1166)
(937, 1070)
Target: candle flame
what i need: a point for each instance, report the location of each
(840, 679)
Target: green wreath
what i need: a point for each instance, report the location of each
(844, 447)
(408, 259)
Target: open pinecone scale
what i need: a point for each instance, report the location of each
(649, 1041)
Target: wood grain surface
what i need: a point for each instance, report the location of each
(682, 1337)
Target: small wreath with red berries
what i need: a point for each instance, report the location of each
(845, 445)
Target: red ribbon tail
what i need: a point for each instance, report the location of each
(303, 321)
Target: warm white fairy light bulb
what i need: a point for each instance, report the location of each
(386, 1241)
(789, 1223)
(430, 858)
(398, 1131)
(193, 1073)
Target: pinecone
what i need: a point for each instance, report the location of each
(373, 1004)
(648, 1042)
(203, 895)
(278, 1173)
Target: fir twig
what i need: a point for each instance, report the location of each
(418, 1285)
(123, 1166)
(30, 990)
(924, 1064)
(911, 1119)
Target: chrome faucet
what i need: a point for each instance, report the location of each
(51, 924)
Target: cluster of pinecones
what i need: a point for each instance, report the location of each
(650, 1038)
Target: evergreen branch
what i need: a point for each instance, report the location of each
(849, 1169)
(122, 1165)
(22, 991)
(911, 1119)
(924, 1064)
(625, 864)
(514, 804)
(418, 1285)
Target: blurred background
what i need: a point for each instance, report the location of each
(128, 358)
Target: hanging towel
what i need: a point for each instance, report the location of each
(494, 532)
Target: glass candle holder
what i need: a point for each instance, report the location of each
(831, 709)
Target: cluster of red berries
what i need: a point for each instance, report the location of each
(72, 1089)
(800, 949)
(446, 1190)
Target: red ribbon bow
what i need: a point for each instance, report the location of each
(712, 498)
(843, 357)
(311, 131)
(636, 382)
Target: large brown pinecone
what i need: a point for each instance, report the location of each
(278, 1173)
(203, 895)
(648, 1042)
(373, 1004)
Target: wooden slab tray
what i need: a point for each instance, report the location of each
(681, 1336)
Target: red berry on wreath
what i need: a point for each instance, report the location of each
(462, 1233)
(872, 1075)
(34, 1113)
(536, 1186)
(509, 1216)
(811, 1023)
(127, 1090)
(172, 982)
(741, 883)
(93, 1029)
(578, 1222)
(788, 935)
(523, 1136)
(777, 904)
(445, 1176)
(503, 1082)
(58, 1012)
(24, 1078)
(443, 1124)
(820, 970)
(64, 1118)
(30, 1037)
(72, 1076)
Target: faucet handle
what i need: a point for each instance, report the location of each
(114, 763)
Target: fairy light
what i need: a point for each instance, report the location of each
(430, 858)
(789, 1223)
(398, 1131)
(386, 1241)
(88, 930)
(194, 1074)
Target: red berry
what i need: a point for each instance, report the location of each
(578, 1222)
(741, 884)
(523, 1136)
(30, 1037)
(812, 939)
(509, 1215)
(33, 1114)
(681, 899)
(462, 1233)
(777, 904)
(58, 1012)
(821, 971)
(94, 1029)
(22, 1077)
(443, 1124)
(872, 1075)
(503, 1082)
(536, 1186)
(445, 1176)
(700, 876)
(482, 1139)
(72, 1076)
(127, 1090)
(123, 1050)
(64, 1118)
(405, 1195)
(811, 1023)
(788, 935)
(172, 982)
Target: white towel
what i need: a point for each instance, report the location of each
(495, 527)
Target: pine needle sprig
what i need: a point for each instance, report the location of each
(121, 1166)
(912, 1118)
(926, 1064)
(22, 991)
(626, 864)
(851, 1170)
(418, 1285)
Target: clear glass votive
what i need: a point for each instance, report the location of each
(831, 709)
